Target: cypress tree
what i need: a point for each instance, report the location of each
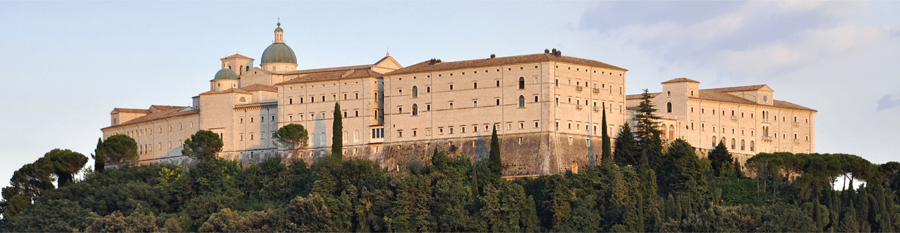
(99, 156)
(496, 165)
(337, 136)
(606, 157)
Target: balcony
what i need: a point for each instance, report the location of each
(796, 141)
(578, 106)
(596, 108)
(766, 138)
(596, 90)
(734, 118)
(579, 88)
(795, 124)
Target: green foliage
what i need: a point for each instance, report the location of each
(720, 157)
(496, 164)
(647, 131)
(606, 157)
(626, 147)
(359, 195)
(120, 149)
(293, 136)
(203, 145)
(99, 156)
(337, 132)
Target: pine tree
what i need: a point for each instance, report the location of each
(99, 157)
(496, 164)
(606, 158)
(626, 147)
(718, 157)
(337, 135)
(647, 131)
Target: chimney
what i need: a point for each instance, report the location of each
(546, 51)
(493, 56)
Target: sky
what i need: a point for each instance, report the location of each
(66, 65)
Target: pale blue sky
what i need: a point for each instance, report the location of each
(66, 65)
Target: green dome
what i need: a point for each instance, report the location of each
(226, 74)
(279, 53)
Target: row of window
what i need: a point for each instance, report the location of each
(149, 131)
(765, 113)
(312, 99)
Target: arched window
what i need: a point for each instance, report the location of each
(521, 101)
(415, 110)
(751, 145)
(714, 142)
(243, 100)
(521, 82)
(415, 91)
(742, 144)
(732, 143)
(669, 107)
(575, 167)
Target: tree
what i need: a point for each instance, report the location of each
(66, 164)
(337, 138)
(203, 145)
(647, 131)
(606, 157)
(99, 156)
(719, 156)
(120, 149)
(309, 214)
(626, 147)
(496, 163)
(293, 136)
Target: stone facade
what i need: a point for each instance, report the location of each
(546, 109)
(747, 118)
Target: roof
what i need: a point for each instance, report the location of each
(130, 110)
(232, 90)
(679, 80)
(163, 112)
(224, 74)
(278, 53)
(260, 87)
(237, 55)
(740, 88)
(342, 68)
(333, 75)
(721, 94)
(427, 66)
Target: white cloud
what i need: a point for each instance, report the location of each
(814, 44)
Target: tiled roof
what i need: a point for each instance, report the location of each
(232, 90)
(427, 66)
(678, 80)
(342, 68)
(333, 75)
(260, 87)
(720, 94)
(237, 55)
(639, 96)
(130, 110)
(161, 114)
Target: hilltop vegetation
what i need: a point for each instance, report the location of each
(646, 186)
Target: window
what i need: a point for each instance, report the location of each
(415, 111)
(498, 83)
(475, 86)
(521, 82)
(415, 92)
(427, 107)
(742, 144)
(669, 107)
(451, 105)
(521, 101)
(345, 96)
(428, 89)
(714, 141)
(751, 145)
(535, 99)
(474, 103)
(498, 101)
(357, 96)
(451, 87)
(290, 101)
(356, 113)
(732, 143)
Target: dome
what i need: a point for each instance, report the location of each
(226, 74)
(278, 53)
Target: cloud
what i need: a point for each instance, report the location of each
(886, 103)
(757, 38)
